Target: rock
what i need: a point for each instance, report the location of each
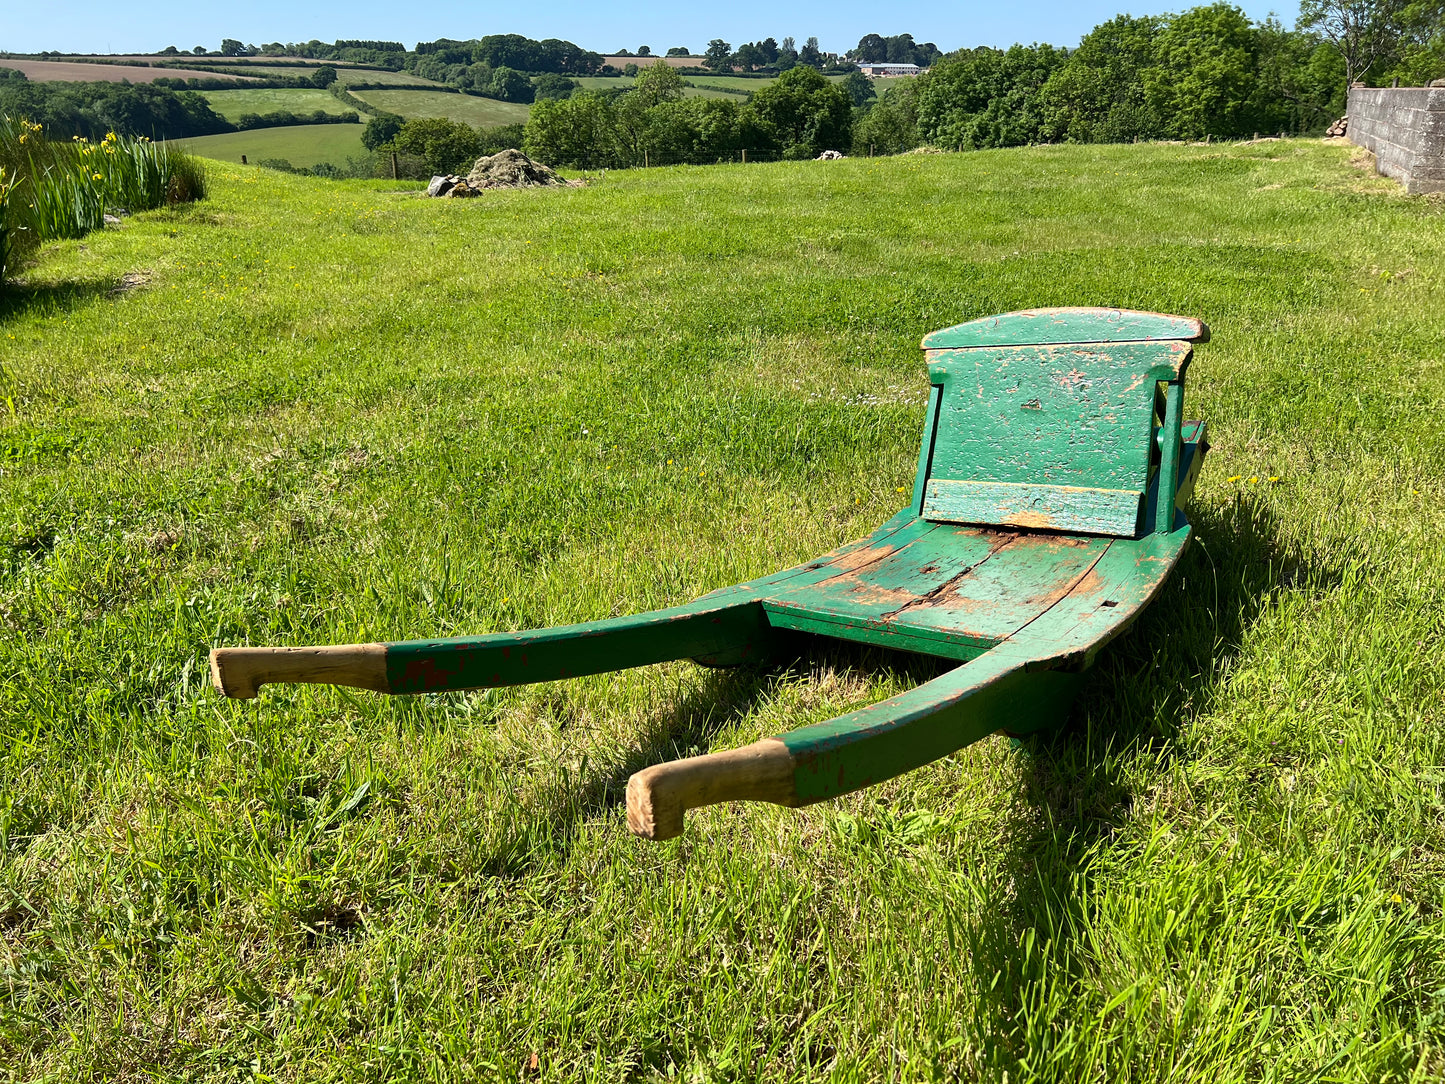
(460, 190)
(511, 169)
(1338, 128)
(830, 156)
(440, 185)
(111, 220)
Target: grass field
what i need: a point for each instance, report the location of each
(608, 82)
(301, 145)
(333, 413)
(478, 112)
(231, 104)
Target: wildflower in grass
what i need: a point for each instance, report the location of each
(1232, 478)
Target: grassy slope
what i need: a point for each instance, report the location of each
(301, 145)
(608, 82)
(556, 405)
(479, 112)
(231, 104)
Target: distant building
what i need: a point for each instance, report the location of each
(878, 70)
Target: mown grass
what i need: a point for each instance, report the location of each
(466, 108)
(233, 104)
(335, 412)
(300, 144)
(626, 82)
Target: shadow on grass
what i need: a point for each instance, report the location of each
(48, 299)
(1170, 668)
(550, 819)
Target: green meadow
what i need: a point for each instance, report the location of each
(466, 108)
(300, 144)
(232, 104)
(310, 412)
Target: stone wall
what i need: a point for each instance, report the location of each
(1404, 127)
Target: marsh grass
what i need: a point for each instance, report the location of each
(63, 190)
(332, 412)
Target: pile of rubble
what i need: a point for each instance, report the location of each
(1338, 128)
(828, 156)
(507, 169)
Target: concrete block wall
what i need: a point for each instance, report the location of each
(1404, 127)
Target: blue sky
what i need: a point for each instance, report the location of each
(92, 26)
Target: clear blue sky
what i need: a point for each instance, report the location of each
(28, 26)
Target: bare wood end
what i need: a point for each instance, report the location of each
(238, 672)
(657, 797)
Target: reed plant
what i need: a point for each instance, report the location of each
(56, 190)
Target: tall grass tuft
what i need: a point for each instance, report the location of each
(7, 186)
(51, 190)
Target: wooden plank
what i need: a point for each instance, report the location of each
(951, 593)
(1102, 604)
(733, 627)
(1023, 504)
(1050, 415)
(1169, 436)
(1067, 325)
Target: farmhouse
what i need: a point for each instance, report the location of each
(877, 70)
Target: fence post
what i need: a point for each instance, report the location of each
(393, 165)
(870, 150)
(745, 156)
(243, 159)
(645, 162)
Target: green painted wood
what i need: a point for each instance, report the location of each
(994, 692)
(1067, 325)
(1170, 433)
(1079, 416)
(1102, 604)
(951, 592)
(925, 448)
(1027, 504)
(734, 627)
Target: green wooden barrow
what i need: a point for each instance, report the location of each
(1037, 533)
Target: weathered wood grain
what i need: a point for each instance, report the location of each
(657, 797)
(1068, 325)
(1026, 504)
(239, 672)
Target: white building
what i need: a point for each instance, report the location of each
(878, 70)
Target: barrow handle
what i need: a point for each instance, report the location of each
(657, 797)
(239, 671)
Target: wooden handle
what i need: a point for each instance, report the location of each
(239, 671)
(657, 797)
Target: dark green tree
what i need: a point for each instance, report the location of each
(719, 56)
(232, 47)
(859, 88)
(1097, 95)
(445, 146)
(1367, 33)
(803, 113)
(871, 49)
(1203, 80)
(578, 132)
(510, 85)
(380, 130)
(552, 85)
(987, 97)
(323, 76)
